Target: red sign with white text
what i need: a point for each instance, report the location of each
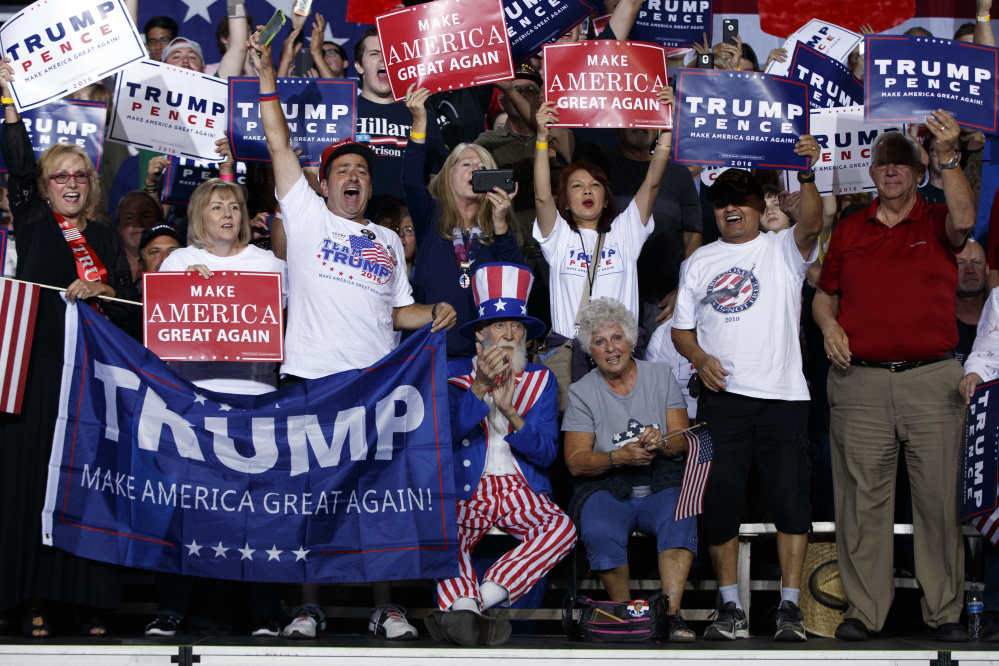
(445, 45)
(607, 84)
(232, 316)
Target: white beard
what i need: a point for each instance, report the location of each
(518, 358)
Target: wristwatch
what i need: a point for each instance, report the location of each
(806, 177)
(952, 162)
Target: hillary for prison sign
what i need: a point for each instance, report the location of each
(347, 478)
(739, 119)
(58, 46)
(602, 83)
(445, 45)
(909, 77)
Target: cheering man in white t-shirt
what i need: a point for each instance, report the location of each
(736, 320)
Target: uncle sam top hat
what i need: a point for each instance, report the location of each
(501, 292)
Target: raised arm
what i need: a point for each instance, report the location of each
(239, 31)
(286, 167)
(132, 6)
(961, 212)
(983, 29)
(809, 226)
(316, 47)
(544, 202)
(645, 198)
(623, 18)
(10, 114)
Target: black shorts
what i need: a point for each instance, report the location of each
(768, 436)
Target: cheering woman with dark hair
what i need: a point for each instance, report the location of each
(56, 245)
(581, 214)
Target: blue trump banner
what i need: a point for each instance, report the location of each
(739, 119)
(830, 83)
(531, 24)
(183, 175)
(347, 478)
(908, 77)
(73, 121)
(673, 23)
(319, 112)
(977, 485)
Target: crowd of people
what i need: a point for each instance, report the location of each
(606, 302)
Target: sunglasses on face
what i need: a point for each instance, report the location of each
(62, 177)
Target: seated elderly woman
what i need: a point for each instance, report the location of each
(628, 477)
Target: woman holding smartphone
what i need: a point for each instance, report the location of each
(456, 228)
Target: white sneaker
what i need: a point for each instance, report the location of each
(389, 621)
(309, 622)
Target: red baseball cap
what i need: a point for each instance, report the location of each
(344, 147)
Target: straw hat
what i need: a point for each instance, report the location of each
(822, 599)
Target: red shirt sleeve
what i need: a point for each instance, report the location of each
(829, 278)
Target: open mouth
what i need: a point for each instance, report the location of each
(587, 203)
(382, 74)
(733, 219)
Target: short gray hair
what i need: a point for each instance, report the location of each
(606, 312)
(917, 155)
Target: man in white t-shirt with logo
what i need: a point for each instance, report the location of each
(348, 288)
(736, 320)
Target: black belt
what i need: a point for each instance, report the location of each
(900, 366)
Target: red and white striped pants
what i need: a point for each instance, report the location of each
(546, 534)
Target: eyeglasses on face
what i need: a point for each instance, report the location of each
(158, 40)
(406, 231)
(62, 177)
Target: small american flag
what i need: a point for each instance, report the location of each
(371, 251)
(18, 303)
(700, 452)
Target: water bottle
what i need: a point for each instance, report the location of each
(973, 601)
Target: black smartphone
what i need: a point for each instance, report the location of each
(484, 180)
(706, 60)
(302, 62)
(730, 28)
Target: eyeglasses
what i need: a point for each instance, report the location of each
(158, 40)
(527, 90)
(331, 52)
(406, 231)
(62, 177)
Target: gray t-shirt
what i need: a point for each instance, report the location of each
(593, 407)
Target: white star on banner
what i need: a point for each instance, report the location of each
(198, 8)
(300, 553)
(274, 553)
(198, 398)
(224, 407)
(193, 548)
(482, 310)
(523, 309)
(501, 305)
(247, 552)
(219, 550)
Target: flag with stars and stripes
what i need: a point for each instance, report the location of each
(700, 452)
(18, 304)
(372, 251)
(347, 478)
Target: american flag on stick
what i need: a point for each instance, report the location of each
(18, 303)
(700, 452)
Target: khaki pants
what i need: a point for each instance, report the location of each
(872, 412)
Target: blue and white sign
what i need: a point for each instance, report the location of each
(169, 110)
(830, 82)
(183, 176)
(977, 485)
(347, 478)
(908, 77)
(66, 121)
(739, 119)
(318, 111)
(672, 23)
(531, 24)
(827, 38)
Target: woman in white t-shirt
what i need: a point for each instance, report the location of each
(218, 236)
(568, 225)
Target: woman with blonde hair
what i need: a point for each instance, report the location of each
(456, 228)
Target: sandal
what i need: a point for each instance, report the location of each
(94, 628)
(678, 630)
(35, 624)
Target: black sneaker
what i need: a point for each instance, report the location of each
(265, 626)
(730, 623)
(990, 627)
(789, 623)
(164, 625)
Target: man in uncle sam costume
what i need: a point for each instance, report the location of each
(504, 427)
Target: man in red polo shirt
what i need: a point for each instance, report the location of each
(886, 308)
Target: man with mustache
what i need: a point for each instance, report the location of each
(504, 420)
